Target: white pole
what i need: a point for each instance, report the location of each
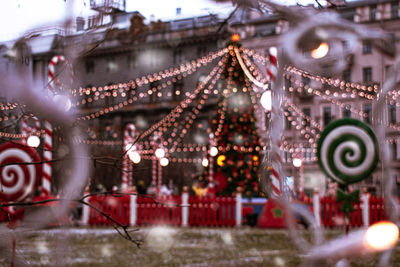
(185, 207)
(133, 211)
(316, 207)
(238, 208)
(365, 209)
(85, 213)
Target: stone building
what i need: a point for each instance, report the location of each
(367, 67)
(131, 49)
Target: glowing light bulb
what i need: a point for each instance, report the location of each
(204, 163)
(381, 236)
(213, 151)
(266, 100)
(33, 141)
(220, 160)
(321, 51)
(164, 162)
(160, 153)
(297, 162)
(235, 37)
(134, 157)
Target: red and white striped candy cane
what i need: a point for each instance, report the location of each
(51, 71)
(26, 130)
(48, 135)
(154, 160)
(159, 166)
(159, 176)
(129, 138)
(47, 156)
(211, 163)
(276, 127)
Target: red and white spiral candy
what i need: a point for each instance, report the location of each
(18, 181)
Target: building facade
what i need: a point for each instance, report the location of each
(116, 60)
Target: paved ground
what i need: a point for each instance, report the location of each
(166, 247)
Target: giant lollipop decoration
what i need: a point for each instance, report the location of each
(18, 181)
(347, 153)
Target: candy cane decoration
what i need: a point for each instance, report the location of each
(18, 181)
(51, 71)
(129, 138)
(47, 156)
(276, 127)
(211, 163)
(48, 135)
(26, 130)
(154, 159)
(159, 176)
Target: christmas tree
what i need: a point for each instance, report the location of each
(237, 162)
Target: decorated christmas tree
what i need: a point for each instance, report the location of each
(239, 152)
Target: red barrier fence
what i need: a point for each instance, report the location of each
(331, 216)
(165, 210)
(206, 211)
(116, 207)
(212, 212)
(376, 209)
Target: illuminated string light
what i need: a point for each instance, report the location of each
(321, 51)
(146, 79)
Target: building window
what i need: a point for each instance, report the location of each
(201, 51)
(388, 69)
(394, 151)
(153, 91)
(305, 80)
(366, 47)
(288, 123)
(178, 56)
(346, 112)
(367, 74)
(177, 89)
(86, 96)
(307, 114)
(327, 115)
(367, 112)
(395, 10)
(372, 13)
(89, 66)
(392, 113)
(109, 99)
(347, 75)
(288, 83)
(111, 64)
(131, 61)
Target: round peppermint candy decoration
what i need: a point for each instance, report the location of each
(347, 151)
(17, 181)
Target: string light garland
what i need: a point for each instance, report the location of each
(367, 91)
(122, 89)
(149, 78)
(112, 108)
(176, 112)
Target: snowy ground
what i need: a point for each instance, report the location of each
(163, 246)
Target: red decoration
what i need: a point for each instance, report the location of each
(220, 182)
(272, 216)
(18, 181)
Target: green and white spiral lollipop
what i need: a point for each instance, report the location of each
(347, 151)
